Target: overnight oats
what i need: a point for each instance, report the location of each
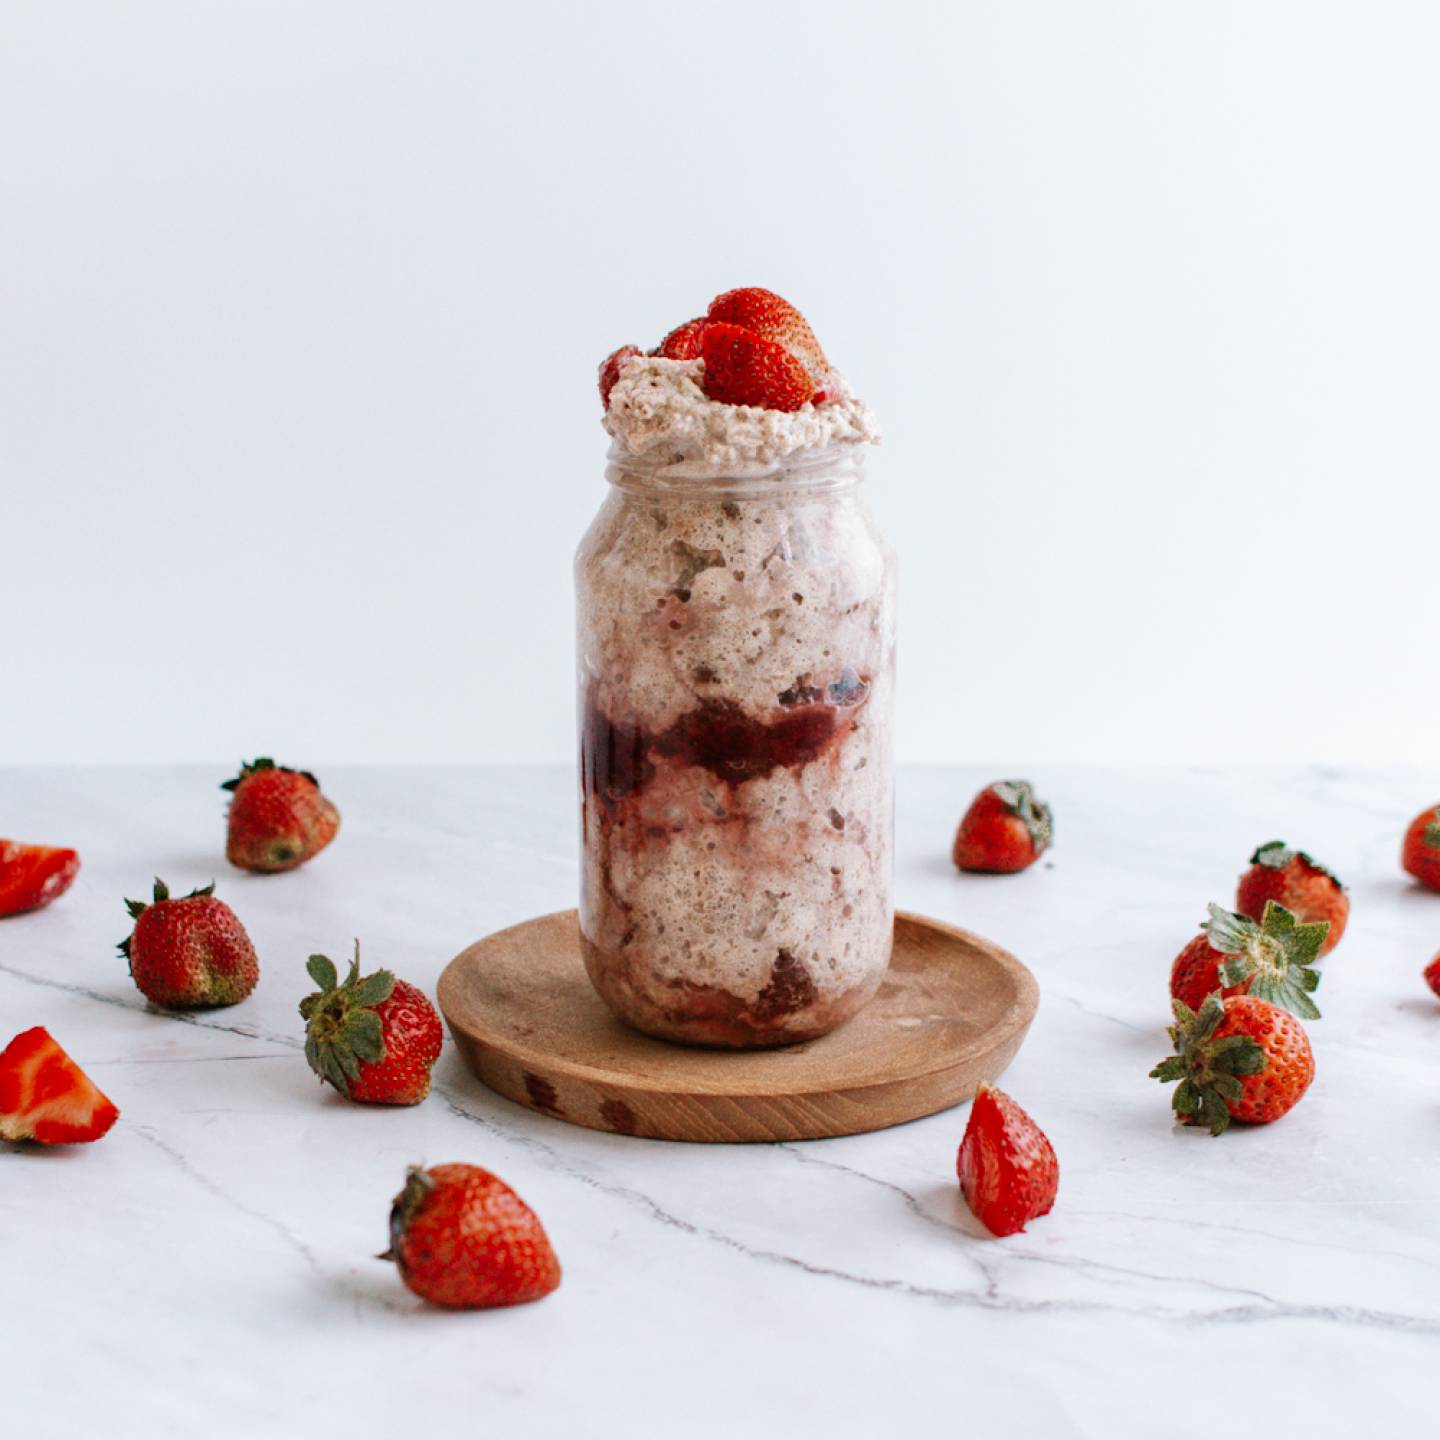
(736, 670)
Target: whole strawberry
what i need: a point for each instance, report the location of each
(374, 1039)
(462, 1238)
(189, 953)
(31, 876)
(1420, 854)
(46, 1097)
(278, 817)
(1302, 885)
(1006, 829)
(1235, 956)
(1241, 1059)
(1008, 1170)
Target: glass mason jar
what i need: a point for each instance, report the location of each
(736, 677)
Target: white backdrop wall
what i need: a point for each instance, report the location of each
(301, 301)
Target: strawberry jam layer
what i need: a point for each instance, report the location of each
(706, 831)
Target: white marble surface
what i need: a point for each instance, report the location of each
(205, 1269)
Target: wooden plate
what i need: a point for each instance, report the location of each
(951, 1014)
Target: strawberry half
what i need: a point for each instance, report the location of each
(741, 368)
(1431, 974)
(374, 1039)
(462, 1238)
(1008, 1170)
(773, 318)
(684, 342)
(46, 1097)
(31, 876)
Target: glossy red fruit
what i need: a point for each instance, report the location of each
(1301, 884)
(1237, 1059)
(1420, 853)
(463, 1239)
(374, 1039)
(1008, 1171)
(31, 876)
(1235, 956)
(1006, 829)
(191, 952)
(1432, 975)
(684, 342)
(768, 315)
(610, 370)
(743, 369)
(279, 818)
(46, 1097)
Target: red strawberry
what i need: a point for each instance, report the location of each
(190, 953)
(1432, 975)
(278, 817)
(31, 876)
(463, 1238)
(610, 370)
(743, 369)
(1420, 855)
(1005, 829)
(1238, 957)
(1241, 1059)
(684, 341)
(765, 314)
(1008, 1170)
(373, 1039)
(1302, 885)
(45, 1096)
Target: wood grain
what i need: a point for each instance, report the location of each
(951, 1014)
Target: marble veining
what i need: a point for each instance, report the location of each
(212, 1256)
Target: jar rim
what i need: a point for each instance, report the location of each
(830, 467)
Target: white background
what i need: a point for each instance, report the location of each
(300, 305)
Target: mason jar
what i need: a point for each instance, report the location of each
(736, 677)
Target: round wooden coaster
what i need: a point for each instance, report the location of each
(951, 1014)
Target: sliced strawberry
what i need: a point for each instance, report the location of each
(684, 342)
(610, 370)
(743, 369)
(45, 1096)
(772, 318)
(1432, 975)
(1008, 1170)
(33, 875)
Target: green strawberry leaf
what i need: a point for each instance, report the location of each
(1228, 932)
(374, 989)
(322, 971)
(1237, 1055)
(365, 1035)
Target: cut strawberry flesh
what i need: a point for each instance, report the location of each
(33, 875)
(1007, 1168)
(45, 1096)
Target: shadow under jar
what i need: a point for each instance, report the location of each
(736, 675)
